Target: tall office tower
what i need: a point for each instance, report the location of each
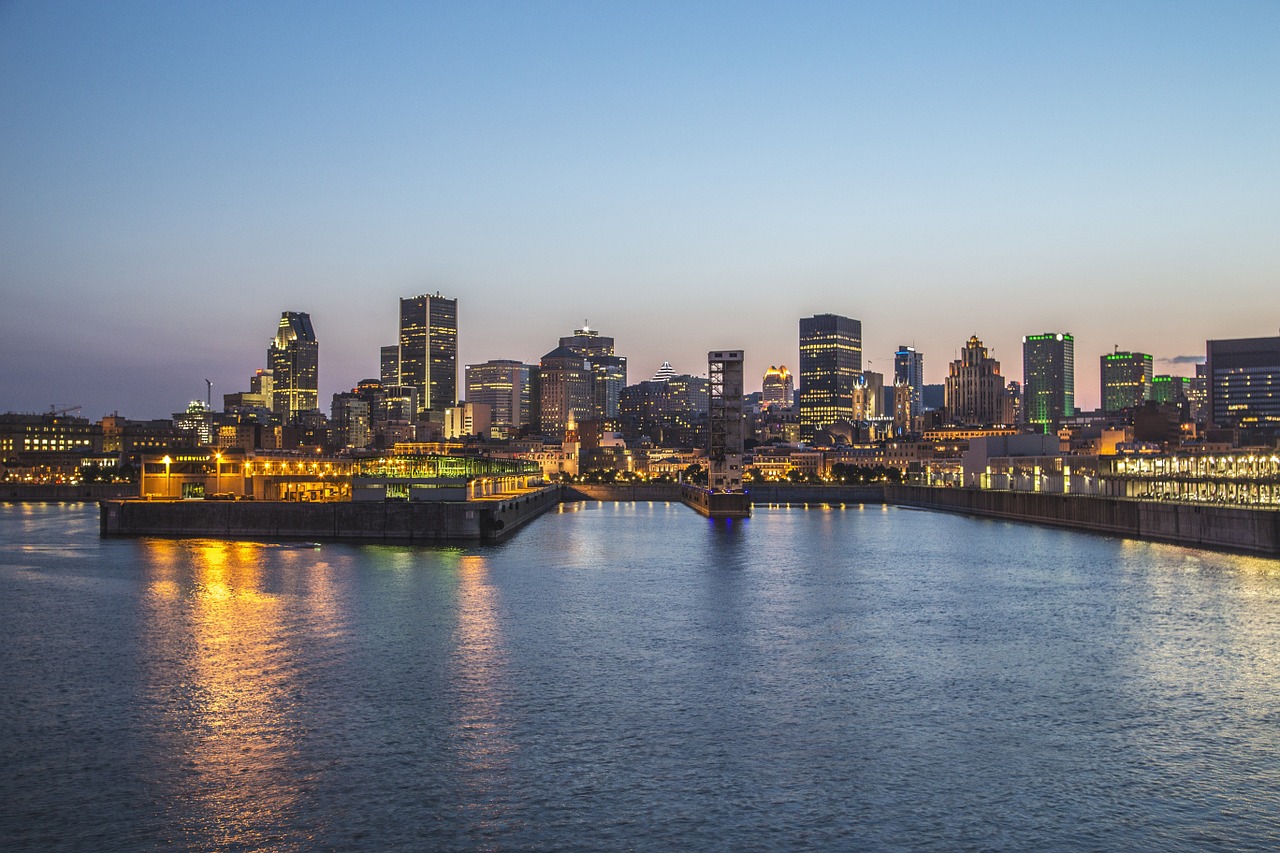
(429, 349)
(1170, 389)
(1244, 385)
(975, 390)
(588, 342)
(908, 369)
(294, 361)
(778, 387)
(1048, 379)
(608, 370)
(1126, 380)
(724, 421)
(830, 361)
(503, 386)
(564, 386)
(389, 365)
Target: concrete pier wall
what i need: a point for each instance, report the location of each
(621, 492)
(764, 494)
(390, 521)
(1254, 531)
(20, 493)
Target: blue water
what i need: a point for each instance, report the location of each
(633, 676)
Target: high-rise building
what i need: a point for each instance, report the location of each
(1244, 384)
(349, 421)
(778, 387)
(564, 387)
(908, 369)
(830, 361)
(1048, 379)
(975, 390)
(1170, 389)
(608, 370)
(588, 342)
(1126, 380)
(502, 385)
(429, 349)
(389, 365)
(294, 361)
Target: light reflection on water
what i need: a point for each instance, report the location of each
(637, 676)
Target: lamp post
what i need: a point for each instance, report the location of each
(217, 469)
(167, 462)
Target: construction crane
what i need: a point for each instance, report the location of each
(64, 410)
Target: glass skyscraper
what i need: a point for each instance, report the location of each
(294, 361)
(830, 361)
(1048, 378)
(429, 350)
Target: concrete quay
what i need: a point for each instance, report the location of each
(1224, 528)
(417, 522)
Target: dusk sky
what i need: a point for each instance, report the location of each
(684, 176)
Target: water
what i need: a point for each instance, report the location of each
(632, 676)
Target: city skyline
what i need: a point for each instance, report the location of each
(180, 176)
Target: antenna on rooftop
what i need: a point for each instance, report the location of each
(209, 400)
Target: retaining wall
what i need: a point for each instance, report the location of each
(372, 521)
(621, 492)
(798, 495)
(1254, 531)
(18, 493)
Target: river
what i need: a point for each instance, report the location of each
(634, 676)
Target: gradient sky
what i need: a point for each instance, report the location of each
(685, 176)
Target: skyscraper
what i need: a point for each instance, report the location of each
(503, 385)
(908, 369)
(1048, 378)
(429, 349)
(564, 385)
(975, 390)
(1244, 384)
(389, 365)
(778, 388)
(1126, 380)
(608, 370)
(294, 361)
(830, 361)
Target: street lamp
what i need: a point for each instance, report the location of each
(167, 462)
(217, 469)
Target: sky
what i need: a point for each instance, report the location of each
(681, 176)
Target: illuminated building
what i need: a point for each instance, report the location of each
(608, 370)
(349, 420)
(1048, 378)
(664, 373)
(830, 361)
(1244, 385)
(1170, 389)
(389, 365)
(429, 350)
(564, 384)
(197, 420)
(503, 385)
(975, 392)
(868, 396)
(467, 419)
(778, 387)
(1126, 380)
(294, 361)
(908, 370)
